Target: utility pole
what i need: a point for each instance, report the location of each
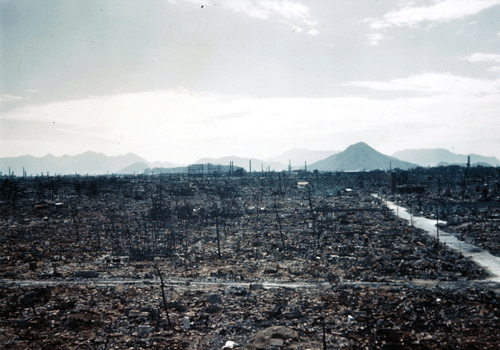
(217, 204)
(279, 223)
(437, 223)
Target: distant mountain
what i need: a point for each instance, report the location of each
(158, 164)
(257, 164)
(141, 167)
(157, 170)
(359, 157)
(298, 157)
(86, 163)
(136, 168)
(432, 157)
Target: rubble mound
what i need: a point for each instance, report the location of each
(268, 337)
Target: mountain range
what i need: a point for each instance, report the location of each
(86, 163)
(432, 157)
(356, 157)
(359, 157)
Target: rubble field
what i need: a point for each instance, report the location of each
(355, 317)
(251, 263)
(468, 200)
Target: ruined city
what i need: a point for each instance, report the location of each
(249, 175)
(230, 259)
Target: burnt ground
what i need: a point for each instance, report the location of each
(378, 282)
(356, 317)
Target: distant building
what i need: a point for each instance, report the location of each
(208, 169)
(195, 169)
(214, 168)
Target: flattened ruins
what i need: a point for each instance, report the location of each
(302, 260)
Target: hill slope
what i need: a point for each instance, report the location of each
(141, 167)
(359, 157)
(433, 157)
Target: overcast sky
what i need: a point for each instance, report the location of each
(185, 79)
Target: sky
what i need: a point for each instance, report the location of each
(179, 80)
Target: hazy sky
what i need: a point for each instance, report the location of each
(180, 80)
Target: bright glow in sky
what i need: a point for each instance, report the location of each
(181, 80)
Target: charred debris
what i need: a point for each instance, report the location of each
(303, 260)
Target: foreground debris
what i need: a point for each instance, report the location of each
(354, 317)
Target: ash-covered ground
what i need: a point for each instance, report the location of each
(253, 260)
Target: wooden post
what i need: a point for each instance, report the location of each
(437, 223)
(217, 229)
